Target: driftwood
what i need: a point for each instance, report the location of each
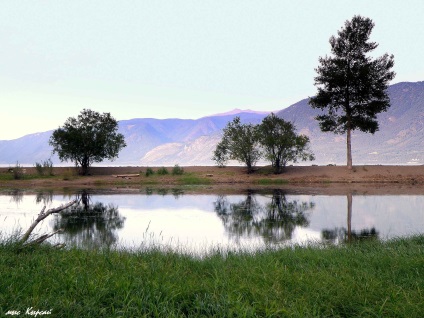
(127, 175)
(41, 216)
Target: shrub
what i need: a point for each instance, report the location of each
(48, 167)
(44, 168)
(39, 168)
(18, 172)
(149, 172)
(162, 171)
(177, 170)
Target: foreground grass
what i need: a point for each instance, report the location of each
(360, 280)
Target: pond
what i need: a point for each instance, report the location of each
(197, 223)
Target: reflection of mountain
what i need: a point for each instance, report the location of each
(274, 221)
(89, 225)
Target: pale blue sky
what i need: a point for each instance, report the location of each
(184, 59)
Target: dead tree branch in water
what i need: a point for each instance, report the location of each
(41, 216)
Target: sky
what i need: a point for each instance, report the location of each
(179, 59)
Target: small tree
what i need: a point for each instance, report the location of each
(352, 86)
(177, 170)
(239, 142)
(45, 167)
(281, 144)
(91, 137)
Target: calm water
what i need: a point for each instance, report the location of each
(196, 223)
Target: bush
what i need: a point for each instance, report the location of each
(149, 172)
(177, 170)
(18, 172)
(39, 168)
(44, 168)
(162, 171)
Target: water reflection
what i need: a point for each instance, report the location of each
(274, 221)
(16, 195)
(44, 197)
(176, 192)
(343, 234)
(255, 219)
(89, 224)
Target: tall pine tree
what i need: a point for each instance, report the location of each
(351, 85)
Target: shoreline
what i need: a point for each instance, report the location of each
(373, 179)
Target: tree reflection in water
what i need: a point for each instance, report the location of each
(347, 235)
(275, 221)
(89, 225)
(342, 235)
(44, 197)
(16, 196)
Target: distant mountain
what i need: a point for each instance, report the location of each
(28, 149)
(236, 111)
(191, 142)
(149, 141)
(398, 141)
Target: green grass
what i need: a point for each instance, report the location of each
(9, 176)
(6, 176)
(184, 179)
(371, 279)
(192, 179)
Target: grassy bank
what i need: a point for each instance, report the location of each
(133, 176)
(371, 279)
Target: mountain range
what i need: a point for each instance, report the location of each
(157, 142)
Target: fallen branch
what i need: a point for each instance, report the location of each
(41, 216)
(44, 237)
(127, 175)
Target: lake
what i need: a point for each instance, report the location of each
(196, 223)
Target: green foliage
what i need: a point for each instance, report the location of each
(351, 85)
(44, 168)
(149, 172)
(366, 279)
(220, 154)
(91, 137)
(177, 170)
(281, 144)
(39, 168)
(274, 138)
(162, 171)
(190, 179)
(17, 171)
(239, 142)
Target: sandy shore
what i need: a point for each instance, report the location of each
(302, 179)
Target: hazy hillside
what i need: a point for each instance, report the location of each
(191, 142)
(28, 149)
(149, 141)
(399, 140)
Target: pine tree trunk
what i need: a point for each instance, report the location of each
(349, 149)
